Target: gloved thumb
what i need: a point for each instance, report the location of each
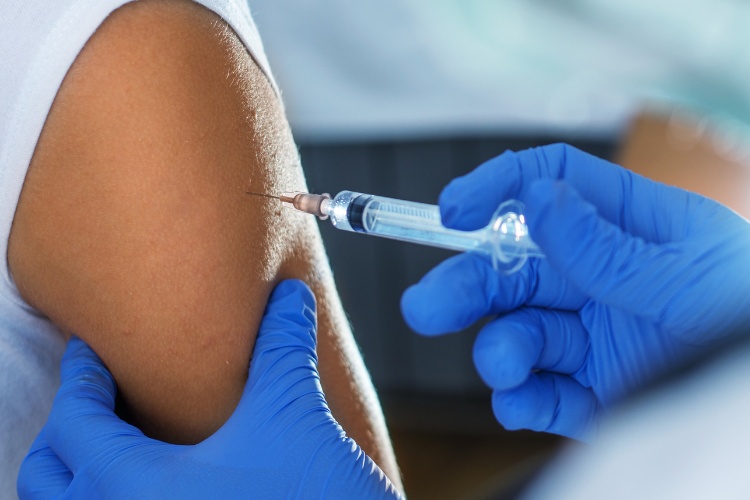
(287, 335)
(598, 257)
(283, 383)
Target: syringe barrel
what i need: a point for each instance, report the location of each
(399, 220)
(505, 239)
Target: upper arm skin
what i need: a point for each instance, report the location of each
(135, 232)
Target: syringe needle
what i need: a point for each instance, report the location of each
(304, 202)
(290, 198)
(262, 194)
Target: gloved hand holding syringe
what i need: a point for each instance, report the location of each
(505, 240)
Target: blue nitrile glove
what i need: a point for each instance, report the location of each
(638, 274)
(281, 441)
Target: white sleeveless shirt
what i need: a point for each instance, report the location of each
(39, 40)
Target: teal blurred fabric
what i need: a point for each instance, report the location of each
(415, 67)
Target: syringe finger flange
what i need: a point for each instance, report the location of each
(509, 237)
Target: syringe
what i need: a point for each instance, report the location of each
(505, 239)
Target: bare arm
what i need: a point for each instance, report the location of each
(134, 230)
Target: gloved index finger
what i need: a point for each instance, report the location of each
(620, 196)
(82, 424)
(465, 288)
(42, 474)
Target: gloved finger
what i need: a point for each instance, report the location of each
(43, 475)
(283, 381)
(469, 202)
(510, 347)
(465, 288)
(287, 335)
(549, 402)
(599, 258)
(82, 423)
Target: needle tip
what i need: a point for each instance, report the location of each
(263, 194)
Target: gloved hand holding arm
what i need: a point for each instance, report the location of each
(638, 275)
(281, 441)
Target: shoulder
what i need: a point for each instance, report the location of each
(133, 229)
